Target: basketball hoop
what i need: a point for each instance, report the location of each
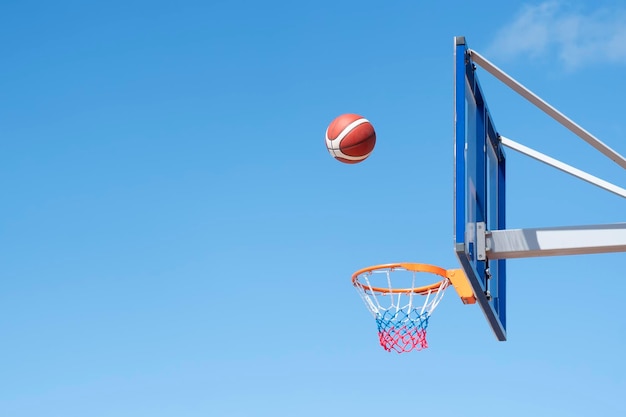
(400, 305)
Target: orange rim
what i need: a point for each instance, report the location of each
(415, 267)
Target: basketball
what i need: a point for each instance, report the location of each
(350, 138)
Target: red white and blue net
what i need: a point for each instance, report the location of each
(399, 304)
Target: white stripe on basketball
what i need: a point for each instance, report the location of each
(349, 128)
(334, 145)
(338, 154)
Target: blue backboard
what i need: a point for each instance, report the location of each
(479, 189)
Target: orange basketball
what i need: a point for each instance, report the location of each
(350, 138)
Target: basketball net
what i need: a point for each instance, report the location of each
(400, 306)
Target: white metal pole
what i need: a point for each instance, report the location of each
(563, 167)
(556, 241)
(547, 108)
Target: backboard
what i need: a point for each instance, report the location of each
(479, 189)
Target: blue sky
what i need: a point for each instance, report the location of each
(176, 240)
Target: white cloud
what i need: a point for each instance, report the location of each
(575, 37)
